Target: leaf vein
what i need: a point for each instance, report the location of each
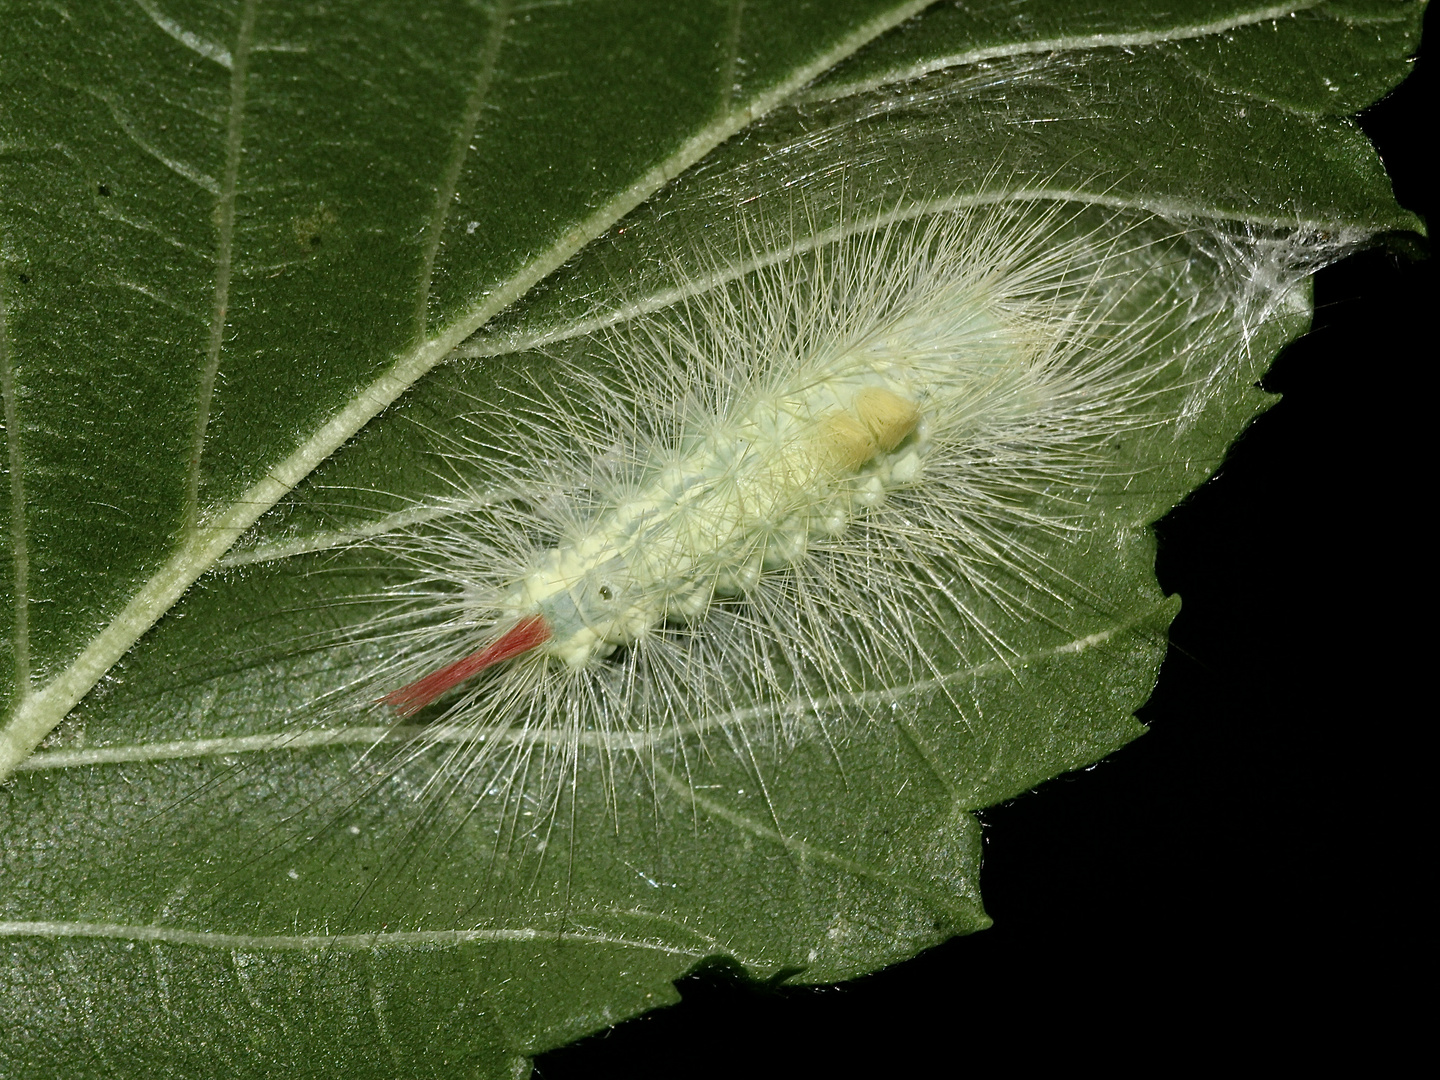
(319, 738)
(730, 69)
(459, 151)
(19, 544)
(1072, 43)
(192, 41)
(175, 165)
(808, 851)
(483, 345)
(316, 942)
(224, 255)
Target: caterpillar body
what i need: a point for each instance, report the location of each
(738, 485)
(842, 471)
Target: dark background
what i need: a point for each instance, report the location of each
(1237, 885)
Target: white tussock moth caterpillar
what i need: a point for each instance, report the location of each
(821, 480)
(775, 493)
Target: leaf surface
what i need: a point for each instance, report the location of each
(235, 233)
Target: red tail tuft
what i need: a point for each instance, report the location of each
(520, 638)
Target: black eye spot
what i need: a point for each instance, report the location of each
(104, 189)
(606, 593)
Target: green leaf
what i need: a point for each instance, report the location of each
(234, 235)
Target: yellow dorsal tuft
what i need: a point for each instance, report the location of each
(888, 417)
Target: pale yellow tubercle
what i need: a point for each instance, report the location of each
(743, 494)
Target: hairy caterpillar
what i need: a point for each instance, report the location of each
(743, 521)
